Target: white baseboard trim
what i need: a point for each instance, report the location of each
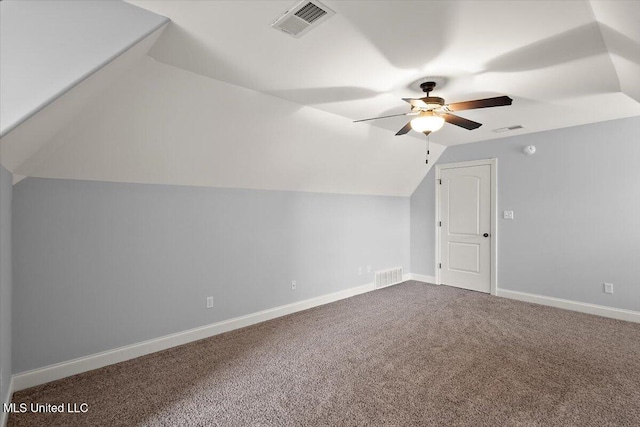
(83, 364)
(4, 416)
(422, 278)
(583, 307)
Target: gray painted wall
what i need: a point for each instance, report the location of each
(101, 265)
(576, 206)
(6, 187)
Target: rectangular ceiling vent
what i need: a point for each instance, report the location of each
(301, 18)
(508, 128)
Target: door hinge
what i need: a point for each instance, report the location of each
(439, 223)
(440, 266)
(440, 181)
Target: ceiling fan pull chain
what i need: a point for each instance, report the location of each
(427, 158)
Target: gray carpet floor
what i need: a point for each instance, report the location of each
(411, 354)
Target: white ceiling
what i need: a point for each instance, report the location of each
(224, 100)
(554, 58)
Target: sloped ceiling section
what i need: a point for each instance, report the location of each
(619, 24)
(23, 148)
(49, 48)
(161, 124)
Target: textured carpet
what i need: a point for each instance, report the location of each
(411, 354)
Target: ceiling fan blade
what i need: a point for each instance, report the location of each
(498, 101)
(416, 102)
(461, 121)
(383, 117)
(404, 130)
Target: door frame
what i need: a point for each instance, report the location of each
(493, 163)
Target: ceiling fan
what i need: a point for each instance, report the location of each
(432, 112)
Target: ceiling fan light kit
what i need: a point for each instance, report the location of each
(427, 122)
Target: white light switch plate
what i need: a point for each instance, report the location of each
(508, 214)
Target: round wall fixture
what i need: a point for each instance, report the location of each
(529, 150)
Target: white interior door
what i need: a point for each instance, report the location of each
(465, 229)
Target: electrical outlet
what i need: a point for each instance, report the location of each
(293, 285)
(607, 288)
(209, 302)
(359, 271)
(508, 214)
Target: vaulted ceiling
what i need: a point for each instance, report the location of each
(555, 58)
(222, 99)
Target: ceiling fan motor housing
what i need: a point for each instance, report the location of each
(433, 100)
(427, 103)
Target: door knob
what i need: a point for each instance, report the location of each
(486, 234)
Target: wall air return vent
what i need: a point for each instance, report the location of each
(388, 277)
(302, 17)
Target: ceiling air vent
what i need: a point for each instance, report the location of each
(508, 128)
(301, 18)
